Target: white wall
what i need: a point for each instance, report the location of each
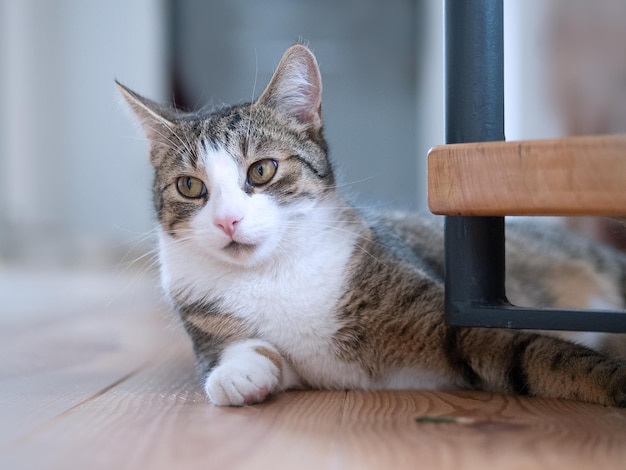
(430, 102)
(72, 169)
(529, 110)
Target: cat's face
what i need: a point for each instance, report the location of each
(234, 184)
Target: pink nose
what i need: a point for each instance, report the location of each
(228, 223)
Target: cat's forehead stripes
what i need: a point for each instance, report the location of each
(229, 127)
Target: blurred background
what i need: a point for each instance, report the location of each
(74, 175)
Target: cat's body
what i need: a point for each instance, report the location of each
(281, 283)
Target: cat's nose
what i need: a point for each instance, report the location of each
(228, 223)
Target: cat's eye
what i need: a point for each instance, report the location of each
(190, 187)
(262, 172)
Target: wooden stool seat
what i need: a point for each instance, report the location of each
(570, 176)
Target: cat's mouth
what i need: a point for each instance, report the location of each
(238, 249)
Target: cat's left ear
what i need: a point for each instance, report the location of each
(296, 87)
(153, 117)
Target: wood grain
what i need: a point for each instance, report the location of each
(572, 176)
(133, 401)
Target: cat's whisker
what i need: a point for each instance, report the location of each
(152, 258)
(347, 184)
(182, 142)
(144, 233)
(191, 148)
(251, 118)
(149, 255)
(142, 239)
(140, 139)
(342, 232)
(166, 141)
(138, 242)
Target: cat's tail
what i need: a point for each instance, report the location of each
(622, 263)
(536, 365)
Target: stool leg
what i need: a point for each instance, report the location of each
(474, 266)
(474, 84)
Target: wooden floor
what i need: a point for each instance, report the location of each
(96, 374)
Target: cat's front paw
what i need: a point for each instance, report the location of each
(243, 380)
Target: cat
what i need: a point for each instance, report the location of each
(281, 283)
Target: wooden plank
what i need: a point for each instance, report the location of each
(572, 176)
(148, 428)
(159, 419)
(118, 390)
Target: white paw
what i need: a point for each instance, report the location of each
(242, 381)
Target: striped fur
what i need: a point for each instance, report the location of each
(283, 284)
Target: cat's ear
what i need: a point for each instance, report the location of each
(296, 87)
(153, 117)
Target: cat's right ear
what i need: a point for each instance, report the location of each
(295, 90)
(155, 119)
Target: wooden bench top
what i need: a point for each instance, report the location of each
(570, 176)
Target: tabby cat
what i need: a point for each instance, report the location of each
(281, 283)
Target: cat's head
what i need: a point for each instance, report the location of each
(234, 182)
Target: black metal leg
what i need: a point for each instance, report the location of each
(474, 71)
(474, 262)
(474, 246)
(474, 63)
